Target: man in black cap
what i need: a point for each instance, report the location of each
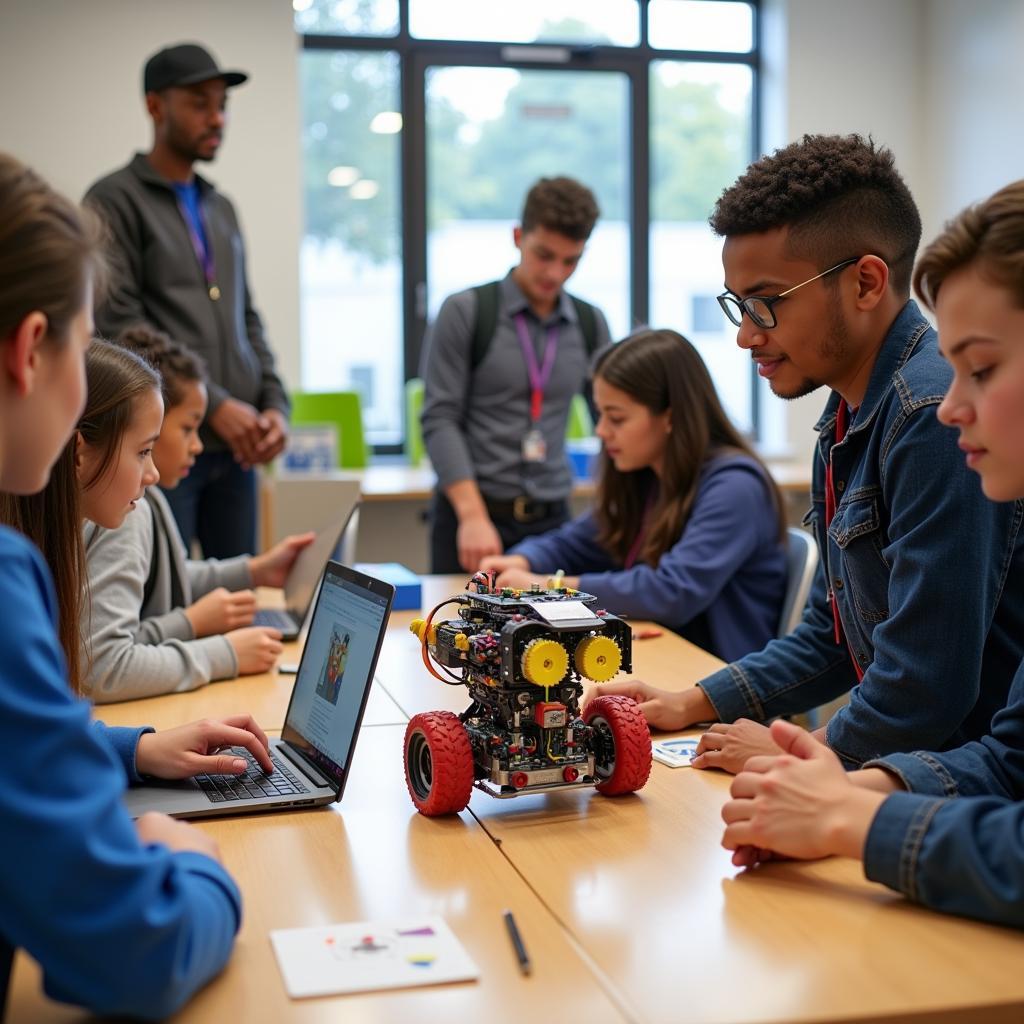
(179, 265)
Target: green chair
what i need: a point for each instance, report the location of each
(414, 450)
(344, 410)
(580, 423)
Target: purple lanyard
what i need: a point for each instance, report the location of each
(539, 374)
(204, 253)
(634, 551)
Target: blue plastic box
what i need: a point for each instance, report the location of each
(408, 593)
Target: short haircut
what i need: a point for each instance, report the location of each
(988, 236)
(562, 205)
(840, 196)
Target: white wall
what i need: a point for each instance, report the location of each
(71, 106)
(938, 81)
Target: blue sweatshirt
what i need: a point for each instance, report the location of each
(728, 567)
(117, 927)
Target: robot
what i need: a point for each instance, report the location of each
(523, 655)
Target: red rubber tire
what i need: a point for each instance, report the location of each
(630, 767)
(438, 763)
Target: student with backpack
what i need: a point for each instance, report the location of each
(500, 369)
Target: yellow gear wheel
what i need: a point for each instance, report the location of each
(545, 662)
(598, 658)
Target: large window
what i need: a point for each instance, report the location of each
(424, 123)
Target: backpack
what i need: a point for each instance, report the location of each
(487, 322)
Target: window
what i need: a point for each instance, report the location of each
(425, 121)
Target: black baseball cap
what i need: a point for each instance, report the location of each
(184, 64)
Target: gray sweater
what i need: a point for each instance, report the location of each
(136, 645)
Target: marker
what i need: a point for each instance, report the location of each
(517, 943)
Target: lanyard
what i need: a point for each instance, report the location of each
(830, 511)
(203, 251)
(634, 551)
(539, 374)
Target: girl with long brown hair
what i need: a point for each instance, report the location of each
(687, 528)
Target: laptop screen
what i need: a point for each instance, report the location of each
(336, 670)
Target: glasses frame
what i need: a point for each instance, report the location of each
(770, 301)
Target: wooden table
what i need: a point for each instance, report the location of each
(629, 906)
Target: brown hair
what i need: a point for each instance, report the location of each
(175, 363)
(50, 251)
(989, 235)
(562, 205)
(662, 370)
(52, 519)
(841, 197)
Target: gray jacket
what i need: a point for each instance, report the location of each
(139, 644)
(158, 280)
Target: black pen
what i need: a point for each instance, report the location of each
(517, 943)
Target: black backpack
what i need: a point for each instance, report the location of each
(487, 322)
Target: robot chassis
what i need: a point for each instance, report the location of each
(523, 654)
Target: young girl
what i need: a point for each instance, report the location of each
(160, 623)
(688, 524)
(124, 918)
(964, 856)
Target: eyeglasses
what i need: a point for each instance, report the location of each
(761, 308)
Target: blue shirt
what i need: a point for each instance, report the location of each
(188, 198)
(728, 565)
(926, 573)
(117, 927)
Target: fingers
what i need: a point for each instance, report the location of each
(739, 833)
(247, 722)
(223, 735)
(761, 763)
(796, 741)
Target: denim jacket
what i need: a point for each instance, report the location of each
(962, 856)
(918, 561)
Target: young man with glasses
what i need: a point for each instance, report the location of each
(917, 608)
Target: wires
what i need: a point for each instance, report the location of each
(449, 678)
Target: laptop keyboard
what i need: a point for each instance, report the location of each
(253, 783)
(274, 618)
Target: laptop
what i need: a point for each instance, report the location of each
(313, 755)
(300, 587)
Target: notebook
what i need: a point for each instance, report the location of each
(313, 756)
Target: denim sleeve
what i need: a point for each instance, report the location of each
(958, 856)
(793, 674)
(948, 548)
(729, 521)
(446, 373)
(572, 547)
(117, 927)
(991, 766)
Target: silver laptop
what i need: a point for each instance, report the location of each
(300, 587)
(313, 755)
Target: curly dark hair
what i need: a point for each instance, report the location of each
(562, 205)
(840, 196)
(175, 363)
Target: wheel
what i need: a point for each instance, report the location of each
(438, 763)
(623, 744)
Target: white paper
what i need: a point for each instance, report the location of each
(361, 956)
(674, 753)
(563, 611)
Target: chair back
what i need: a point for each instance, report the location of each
(414, 450)
(801, 564)
(344, 410)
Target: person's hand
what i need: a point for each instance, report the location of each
(256, 648)
(476, 538)
(196, 748)
(662, 708)
(799, 804)
(221, 610)
(729, 747)
(274, 428)
(240, 425)
(499, 563)
(272, 567)
(521, 579)
(177, 836)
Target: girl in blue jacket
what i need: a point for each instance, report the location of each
(688, 527)
(126, 918)
(946, 829)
